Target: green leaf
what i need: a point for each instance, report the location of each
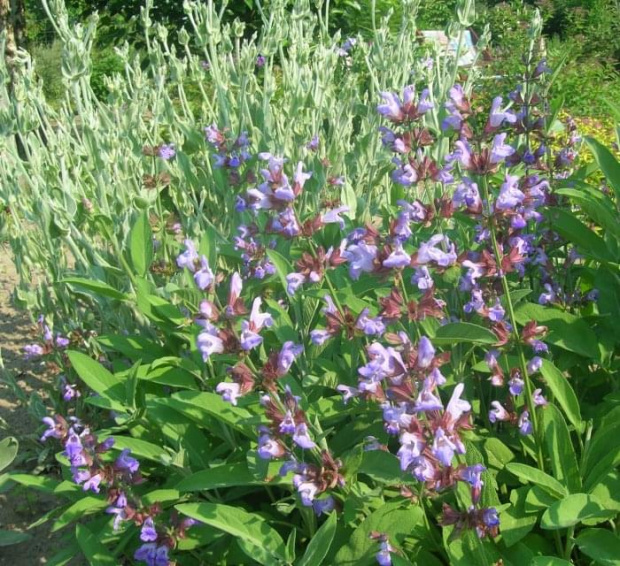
(455, 332)
(225, 475)
(204, 406)
(516, 522)
(563, 393)
(86, 506)
(321, 541)
(570, 227)
(96, 287)
(381, 466)
(572, 510)
(7, 538)
(549, 561)
(560, 449)
(141, 244)
(41, 483)
(8, 450)
(601, 545)
(566, 330)
(607, 162)
(142, 449)
(391, 518)
(99, 379)
(134, 347)
(238, 523)
(538, 477)
(283, 267)
(94, 551)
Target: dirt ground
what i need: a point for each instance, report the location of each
(19, 507)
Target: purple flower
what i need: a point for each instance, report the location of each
(152, 554)
(398, 258)
(509, 196)
(74, 451)
(361, 258)
(422, 278)
(429, 251)
(313, 144)
(411, 447)
(534, 365)
(323, 506)
(204, 276)
(287, 356)
(443, 448)
(52, 431)
(347, 392)
(166, 152)
(490, 517)
(188, 257)
(126, 462)
(525, 425)
(268, 447)
(498, 413)
(319, 337)
(467, 194)
(457, 406)
(370, 326)
(548, 297)
(293, 282)
(148, 532)
(539, 347)
(499, 116)
(333, 216)
(383, 556)
(260, 61)
(33, 351)
(538, 398)
(427, 401)
(391, 107)
(301, 437)
(497, 312)
(61, 341)
(426, 352)
(92, 483)
(208, 343)
(70, 392)
(515, 386)
(228, 391)
(500, 150)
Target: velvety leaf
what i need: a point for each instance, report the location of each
(225, 475)
(96, 287)
(538, 477)
(8, 450)
(142, 449)
(98, 378)
(560, 449)
(86, 506)
(94, 551)
(238, 523)
(320, 543)
(572, 510)
(549, 561)
(515, 521)
(563, 393)
(381, 466)
(7, 538)
(587, 241)
(141, 244)
(601, 545)
(283, 267)
(134, 347)
(565, 330)
(607, 162)
(455, 332)
(390, 518)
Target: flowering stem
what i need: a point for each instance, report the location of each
(515, 331)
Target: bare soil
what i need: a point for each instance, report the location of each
(20, 507)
